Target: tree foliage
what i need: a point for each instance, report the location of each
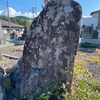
(17, 20)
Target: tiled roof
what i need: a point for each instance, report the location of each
(94, 12)
(4, 23)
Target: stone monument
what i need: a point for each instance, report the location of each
(50, 48)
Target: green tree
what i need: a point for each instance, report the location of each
(30, 22)
(22, 22)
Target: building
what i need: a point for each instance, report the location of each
(92, 20)
(18, 29)
(13, 26)
(91, 25)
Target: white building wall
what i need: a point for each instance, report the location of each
(89, 21)
(95, 15)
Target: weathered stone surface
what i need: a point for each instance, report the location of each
(2, 89)
(1, 72)
(15, 82)
(11, 84)
(50, 48)
(11, 69)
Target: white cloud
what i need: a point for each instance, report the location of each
(1, 12)
(86, 16)
(13, 13)
(29, 14)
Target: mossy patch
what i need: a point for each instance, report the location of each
(7, 84)
(30, 97)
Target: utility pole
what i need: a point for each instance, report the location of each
(35, 8)
(33, 12)
(8, 17)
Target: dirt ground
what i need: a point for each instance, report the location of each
(15, 51)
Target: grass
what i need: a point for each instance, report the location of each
(98, 51)
(4, 61)
(93, 59)
(80, 70)
(84, 85)
(80, 63)
(16, 48)
(81, 53)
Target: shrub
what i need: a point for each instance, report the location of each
(87, 45)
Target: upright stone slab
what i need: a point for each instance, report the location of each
(50, 48)
(2, 89)
(1, 34)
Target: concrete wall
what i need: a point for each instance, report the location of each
(92, 41)
(89, 21)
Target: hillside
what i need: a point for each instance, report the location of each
(22, 17)
(18, 19)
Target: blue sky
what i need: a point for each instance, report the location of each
(22, 7)
(89, 6)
